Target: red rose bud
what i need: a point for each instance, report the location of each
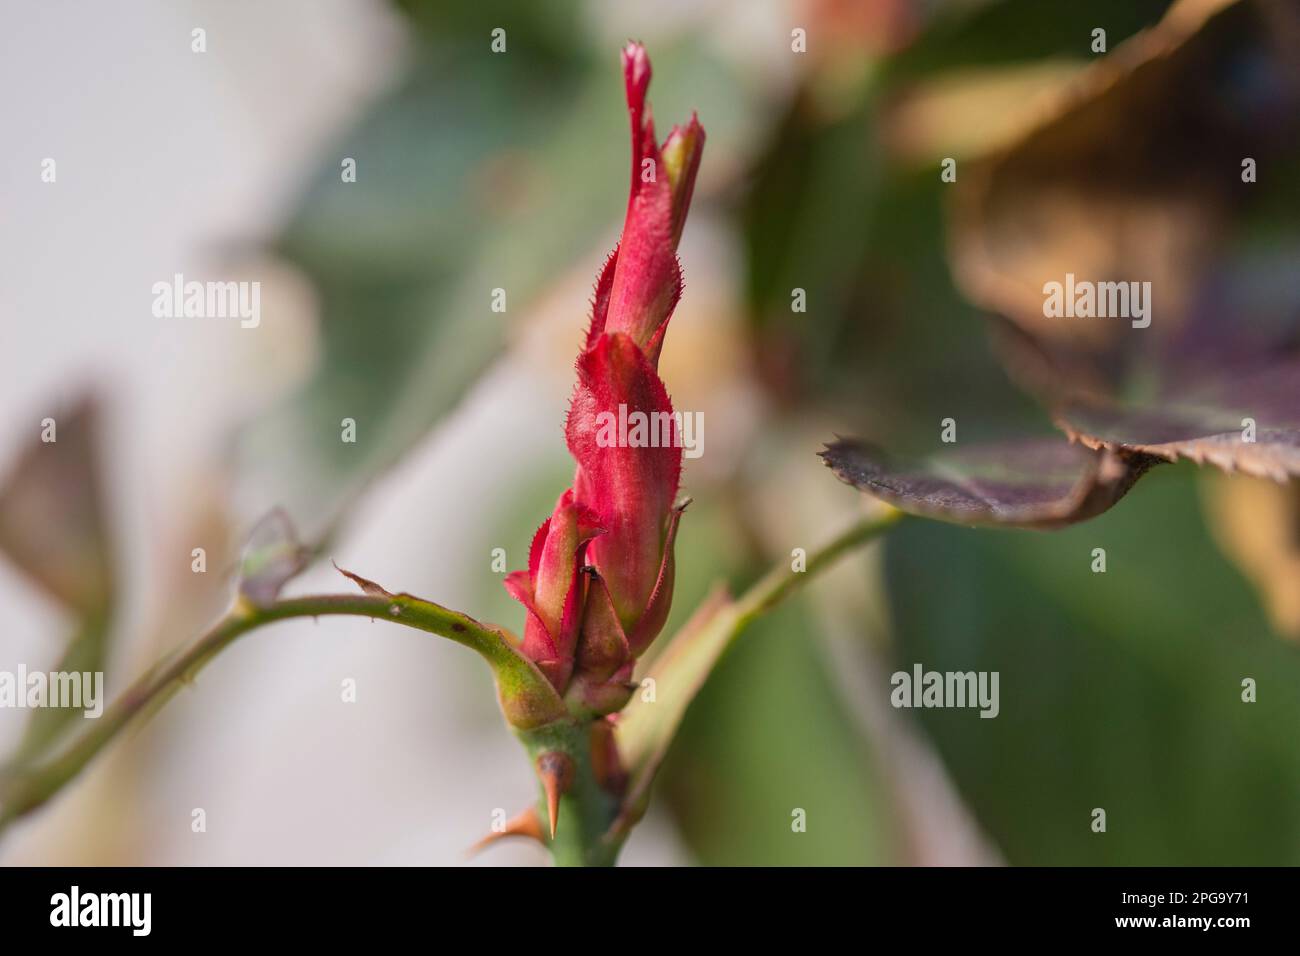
(642, 281)
(622, 432)
(623, 435)
(552, 589)
(585, 630)
(621, 428)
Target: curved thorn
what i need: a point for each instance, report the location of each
(522, 824)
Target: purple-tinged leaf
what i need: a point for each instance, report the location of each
(1135, 176)
(1135, 185)
(1237, 419)
(1031, 483)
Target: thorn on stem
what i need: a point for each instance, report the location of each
(555, 768)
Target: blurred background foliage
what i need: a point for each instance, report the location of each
(1119, 690)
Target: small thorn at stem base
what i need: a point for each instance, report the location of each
(555, 769)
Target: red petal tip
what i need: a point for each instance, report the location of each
(636, 67)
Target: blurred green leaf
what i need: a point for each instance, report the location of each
(767, 736)
(830, 213)
(472, 176)
(1012, 31)
(1120, 690)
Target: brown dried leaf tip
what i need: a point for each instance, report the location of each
(366, 585)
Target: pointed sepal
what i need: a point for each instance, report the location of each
(603, 647)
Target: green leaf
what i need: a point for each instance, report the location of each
(1120, 690)
(769, 735)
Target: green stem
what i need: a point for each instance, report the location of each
(587, 811)
(28, 787)
(775, 586)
